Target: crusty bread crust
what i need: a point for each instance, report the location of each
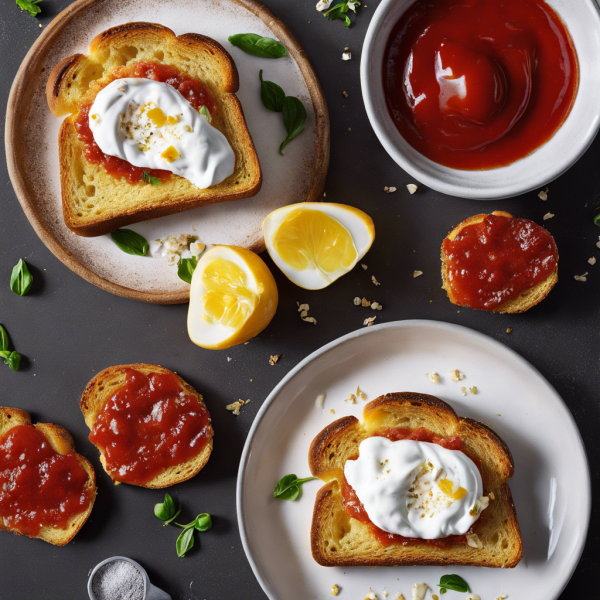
(525, 300)
(94, 202)
(101, 388)
(339, 540)
(61, 441)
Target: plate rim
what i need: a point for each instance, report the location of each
(22, 83)
(373, 330)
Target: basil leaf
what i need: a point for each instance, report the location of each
(149, 179)
(185, 541)
(30, 6)
(294, 115)
(252, 43)
(203, 522)
(453, 582)
(186, 269)
(204, 111)
(169, 521)
(13, 361)
(166, 510)
(597, 220)
(338, 12)
(21, 279)
(271, 94)
(4, 339)
(130, 242)
(289, 487)
(4, 354)
(443, 591)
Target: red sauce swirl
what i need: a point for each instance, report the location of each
(479, 84)
(194, 91)
(148, 425)
(39, 487)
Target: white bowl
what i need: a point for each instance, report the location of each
(582, 19)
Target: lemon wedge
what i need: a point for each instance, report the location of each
(233, 297)
(315, 243)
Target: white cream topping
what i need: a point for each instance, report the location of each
(416, 489)
(176, 138)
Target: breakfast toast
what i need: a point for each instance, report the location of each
(340, 540)
(101, 388)
(525, 300)
(95, 202)
(62, 442)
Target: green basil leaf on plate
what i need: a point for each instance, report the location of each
(453, 582)
(289, 487)
(185, 541)
(130, 242)
(186, 269)
(271, 94)
(294, 116)
(252, 43)
(21, 279)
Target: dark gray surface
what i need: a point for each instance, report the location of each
(68, 330)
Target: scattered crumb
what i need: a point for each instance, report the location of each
(417, 274)
(371, 596)
(498, 415)
(197, 248)
(412, 188)
(369, 321)
(463, 390)
(400, 597)
(320, 401)
(346, 56)
(433, 377)
(234, 407)
(346, 48)
(473, 390)
(474, 541)
(357, 301)
(592, 260)
(419, 590)
(274, 358)
(543, 195)
(385, 593)
(492, 497)
(581, 277)
(335, 589)
(456, 375)
(351, 398)
(40, 25)
(345, 94)
(548, 215)
(502, 597)
(349, 128)
(374, 280)
(229, 359)
(365, 302)
(435, 597)
(361, 394)
(365, 266)
(389, 190)
(597, 244)
(332, 411)
(376, 306)
(509, 330)
(303, 310)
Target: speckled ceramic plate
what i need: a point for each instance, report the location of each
(551, 485)
(32, 140)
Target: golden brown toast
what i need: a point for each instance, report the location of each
(62, 442)
(525, 300)
(340, 540)
(101, 388)
(94, 202)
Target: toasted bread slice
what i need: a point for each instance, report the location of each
(94, 202)
(62, 442)
(339, 540)
(101, 388)
(525, 300)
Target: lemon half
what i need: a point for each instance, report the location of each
(315, 243)
(233, 297)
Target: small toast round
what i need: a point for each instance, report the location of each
(338, 540)
(100, 389)
(62, 442)
(525, 300)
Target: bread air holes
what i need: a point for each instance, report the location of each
(159, 55)
(90, 192)
(495, 538)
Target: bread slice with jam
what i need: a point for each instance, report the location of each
(61, 442)
(96, 202)
(102, 388)
(339, 540)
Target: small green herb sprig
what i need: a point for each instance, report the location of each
(254, 44)
(21, 279)
(146, 177)
(130, 242)
(10, 357)
(204, 111)
(339, 12)
(289, 487)
(168, 511)
(453, 582)
(597, 220)
(293, 111)
(31, 6)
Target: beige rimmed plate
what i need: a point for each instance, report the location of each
(31, 139)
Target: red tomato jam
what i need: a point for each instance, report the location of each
(353, 506)
(494, 261)
(148, 425)
(479, 84)
(194, 91)
(39, 487)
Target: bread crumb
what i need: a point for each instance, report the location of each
(303, 310)
(320, 401)
(332, 411)
(502, 597)
(389, 190)
(456, 375)
(412, 188)
(473, 597)
(400, 597)
(474, 541)
(509, 330)
(229, 359)
(433, 377)
(365, 266)
(375, 282)
(375, 305)
(335, 589)
(346, 48)
(351, 398)
(417, 274)
(543, 195)
(581, 277)
(234, 407)
(356, 301)
(463, 390)
(361, 394)
(492, 497)
(274, 358)
(592, 260)
(548, 215)
(345, 94)
(371, 596)
(349, 128)
(365, 302)
(385, 593)
(419, 590)
(369, 321)
(473, 390)
(346, 56)
(435, 597)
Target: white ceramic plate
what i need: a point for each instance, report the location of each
(296, 177)
(551, 486)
